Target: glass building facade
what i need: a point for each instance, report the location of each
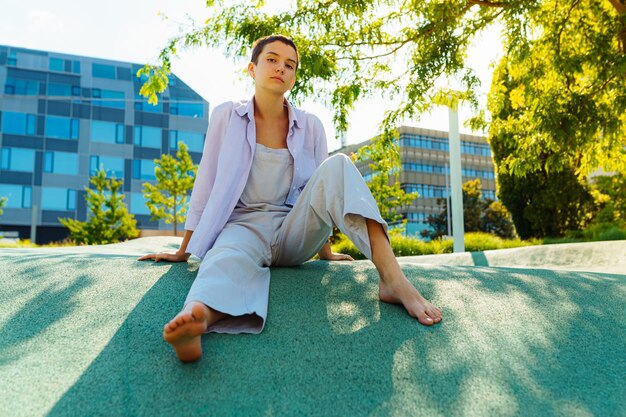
(425, 157)
(62, 117)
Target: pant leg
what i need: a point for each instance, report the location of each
(336, 195)
(234, 277)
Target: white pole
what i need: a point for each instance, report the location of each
(448, 219)
(456, 181)
(33, 223)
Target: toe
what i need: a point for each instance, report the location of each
(425, 319)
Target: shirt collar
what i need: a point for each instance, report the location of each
(295, 116)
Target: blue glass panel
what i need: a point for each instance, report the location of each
(65, 163)
(147, 167)
(149, 137)
(59, 89)
(13, 193)
(22, 87)
(138, 204)
(136, 169)
(75, 129)
(76, 67)
(21, 160)
(48, 162)
(193, 140)
(57, 64)
(53, 198)
(94, 165)
(30, 124)
(173, 139)
(103, 71)
(188, 109)
(103, 131)
(5, 158)
(119, 133)
(16, 123)
(118, 103)
(58, 127)
(71, 199)
(27, 194)
(113, 166)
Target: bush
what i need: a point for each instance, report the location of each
(409, 246)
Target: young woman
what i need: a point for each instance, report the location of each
(266, 193)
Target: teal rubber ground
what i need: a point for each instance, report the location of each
(81, 335)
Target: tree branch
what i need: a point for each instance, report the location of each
(619, 6)
(486, 3)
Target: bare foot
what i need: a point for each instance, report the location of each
(401, 291)
(184, 331)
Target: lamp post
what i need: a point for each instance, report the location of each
(454, 141)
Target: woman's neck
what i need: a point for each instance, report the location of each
(269, 107)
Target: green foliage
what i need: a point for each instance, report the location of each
(3, 203)
(564, 64)
(108, 219)
(546, 204)
(558, 100)
(408, 246)
(479, 215)
(167, 199)
(383, 156)
(610, 195)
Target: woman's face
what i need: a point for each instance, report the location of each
(275, 69)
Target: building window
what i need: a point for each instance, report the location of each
(17, 159)
(187, 109)
(61, 163)
(103, 71)
(118, 97)
(57, 64)
(61, 127)
(114, 167)
(76, 67)
(107, 132)
(193, 140)
(59, 89)
(147, 137)
(53, 198)
(425, 190)
(18, 196)
(18, 123)
(138, 204)
(12, 60)
(141, 104)
(143, 169)
(21, 87)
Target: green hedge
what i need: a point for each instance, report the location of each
(407, 246)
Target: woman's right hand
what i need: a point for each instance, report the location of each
(170, 257)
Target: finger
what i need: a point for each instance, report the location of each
(350, 258)
(148, 256)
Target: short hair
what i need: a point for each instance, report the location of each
(258, 45)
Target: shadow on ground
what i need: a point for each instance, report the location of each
(513, 343)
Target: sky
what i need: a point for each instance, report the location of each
(136, 30)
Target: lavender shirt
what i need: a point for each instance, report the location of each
(226, 161)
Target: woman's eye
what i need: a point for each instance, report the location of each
(289, 66)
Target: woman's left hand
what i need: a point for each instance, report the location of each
(336, 257)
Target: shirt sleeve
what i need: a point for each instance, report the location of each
(205, 177)
(321, 144)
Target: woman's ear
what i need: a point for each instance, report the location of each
(251, 69)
